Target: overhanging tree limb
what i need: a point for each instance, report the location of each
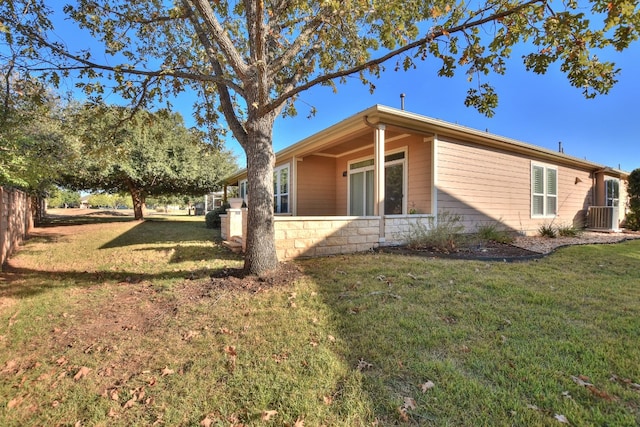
(293, 90)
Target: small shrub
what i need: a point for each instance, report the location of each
(547, 230)
(444, 235)
(632, 221)
(212, 218)
(492, 232)
(568, 231)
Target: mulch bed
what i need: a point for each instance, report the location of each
(485, 251)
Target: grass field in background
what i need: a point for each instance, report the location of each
(117, 323)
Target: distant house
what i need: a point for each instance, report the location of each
(367, 180)
(84, 202)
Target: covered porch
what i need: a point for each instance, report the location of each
(358, 185)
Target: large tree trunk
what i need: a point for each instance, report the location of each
(138, 201)
(261, 254)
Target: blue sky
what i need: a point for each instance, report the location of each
(536, 109)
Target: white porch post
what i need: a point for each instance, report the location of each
(434, 176)
(379, 178)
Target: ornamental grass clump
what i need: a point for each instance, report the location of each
(493, 232)
(444, 234)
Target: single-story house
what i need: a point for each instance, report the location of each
(367, 180)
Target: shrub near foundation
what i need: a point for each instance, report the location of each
(493, 232)
(445, 234)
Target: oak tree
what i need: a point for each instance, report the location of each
(143, 154)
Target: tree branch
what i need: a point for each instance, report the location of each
(87, 64)
(223, 90)
(293, 90)
(220, 37)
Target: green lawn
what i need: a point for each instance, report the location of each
(118, 324)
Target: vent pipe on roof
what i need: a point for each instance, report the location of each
(560, 149)
(402, 95)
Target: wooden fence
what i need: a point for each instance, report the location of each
(15, 220)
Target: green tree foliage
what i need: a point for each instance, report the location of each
(250, 60)
(143, 154)
(63, 198)
(33, 149)
(633, 216)
(111, 201)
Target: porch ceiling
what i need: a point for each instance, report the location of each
(362, 139)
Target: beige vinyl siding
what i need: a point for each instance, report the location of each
(419, 175)
(574, 196)
(316, 191)
(341, 181)
(485, 185)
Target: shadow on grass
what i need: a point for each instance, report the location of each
(173, 241)
(24, 282)
(156, 231)
(99, 217)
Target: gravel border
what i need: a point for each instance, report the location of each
(546, 245)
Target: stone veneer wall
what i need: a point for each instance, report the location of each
(311, 236)
(319, 236)
(398, 228)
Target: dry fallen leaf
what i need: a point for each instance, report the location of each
(190, 335)
(83, 372)
(232, 354)
(428, 385)
(409, 403)
(328, 400)
(207, 422)
(299, 423)
(15, 402)
(580, 380)
(9, 366)
(331, 338)
(266, 415)
(231, 351)
(561, 418)
(166, 371)
(129, 403)
(402, 412)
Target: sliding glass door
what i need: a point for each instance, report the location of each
(361, 186)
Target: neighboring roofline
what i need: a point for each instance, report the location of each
(381, 114)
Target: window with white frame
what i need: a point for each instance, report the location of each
(281, 189)
(544, 191)
(242, 185)
(612, 189)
